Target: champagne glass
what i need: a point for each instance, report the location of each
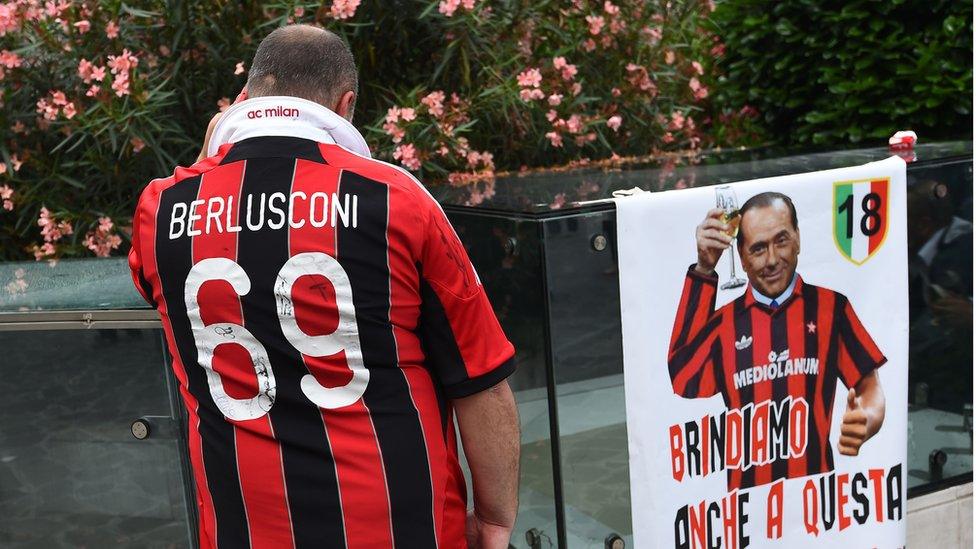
(726, 200)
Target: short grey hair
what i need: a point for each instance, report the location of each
(303, 61)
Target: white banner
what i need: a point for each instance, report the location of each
(766, 382)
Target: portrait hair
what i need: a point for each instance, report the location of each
(303, 61)
(765, 200)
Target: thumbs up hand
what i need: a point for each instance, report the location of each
(854, 426)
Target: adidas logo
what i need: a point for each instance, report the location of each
(743, 343)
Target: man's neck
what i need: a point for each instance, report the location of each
(766, 300)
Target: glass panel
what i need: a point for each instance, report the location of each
(581, 269)
(588, 366)
(71, 473)
(506, 254)
(68, 284)
(940, 378)
(554, 192)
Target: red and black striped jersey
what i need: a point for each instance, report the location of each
(321, 313)
(764, 360)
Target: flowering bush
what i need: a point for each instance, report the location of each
(100, 97)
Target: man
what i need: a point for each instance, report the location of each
(326, 325)
(777, 350)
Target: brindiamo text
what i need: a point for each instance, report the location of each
(756, 434)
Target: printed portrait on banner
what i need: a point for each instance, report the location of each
(771, 337)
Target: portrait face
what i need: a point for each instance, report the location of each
(770, 247)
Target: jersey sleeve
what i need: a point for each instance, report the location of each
(858, 354)
(464, 344)
(694, 355)
(136, 252)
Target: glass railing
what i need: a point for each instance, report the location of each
(84, 358)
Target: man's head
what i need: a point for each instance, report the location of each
(769, 242)
(306, 62)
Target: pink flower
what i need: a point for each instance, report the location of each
(569, 72)
(85, 70)
(69, 111)
(121, 84)
(8, 18)
(555, 139)
(616, 92)
(47, 249)
(6, 192)
(137, 144)
(93, 90)
(123, 62)
(394, 130)
(555, 99)
(101, 240)
(408, 114)
(614, 122)
(718, 50)
(701, 92)
(617, 25)
(223, 103)
(610, 8)
(530, 94)
(239, 68)
(3, 168)
(530, 78)
(677, 121)
(640, 79)
(10, 59)
(435, 102)
(393, 115)
(112, 30)
(589, 44)
(299, 11)
(576, 88)
(407, 155)
(448, 7)
(669, 57)
(653, 34)
(574, 124)
(47, 109)
(83, 26)
(15, 162)
(558, 201)
(552, 115)
(344, 9)
(59, 98)
(98, 73)
(596, 23)
(51, 230)
(698, 67)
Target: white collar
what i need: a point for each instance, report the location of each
(285, 116)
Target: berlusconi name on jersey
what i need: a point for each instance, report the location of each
(275, 210)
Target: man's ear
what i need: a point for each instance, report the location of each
(346, 105)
